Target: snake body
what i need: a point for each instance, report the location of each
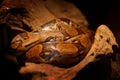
(60, 42)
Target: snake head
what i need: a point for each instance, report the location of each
(18, 40)
(22, 40)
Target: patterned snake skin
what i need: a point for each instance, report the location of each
(59, 42)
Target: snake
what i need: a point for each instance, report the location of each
(59, 42)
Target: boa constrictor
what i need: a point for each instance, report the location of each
(59, 42)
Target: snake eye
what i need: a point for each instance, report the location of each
(24, 36)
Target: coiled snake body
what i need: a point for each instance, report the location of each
(60, 42)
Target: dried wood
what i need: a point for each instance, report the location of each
(40, 12)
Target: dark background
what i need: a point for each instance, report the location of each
(100, 12)
(97, 12)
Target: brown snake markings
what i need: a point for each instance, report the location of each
(57, 41)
